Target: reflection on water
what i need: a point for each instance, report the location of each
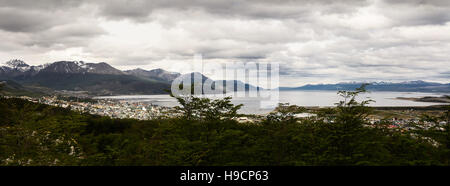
(302, 98)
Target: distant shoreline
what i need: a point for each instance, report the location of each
(430, 99)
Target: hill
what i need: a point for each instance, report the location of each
(12, 88)
(155, 74)
(40, 135)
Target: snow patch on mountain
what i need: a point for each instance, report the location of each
(18, 65)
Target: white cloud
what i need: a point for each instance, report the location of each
(315, 41)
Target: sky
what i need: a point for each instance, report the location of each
(314, 41)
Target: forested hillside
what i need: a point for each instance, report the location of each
(36, 134)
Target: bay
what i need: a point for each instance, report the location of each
(252, 105)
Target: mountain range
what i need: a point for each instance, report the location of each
(407, 86)
(95, 78)
(103, 79)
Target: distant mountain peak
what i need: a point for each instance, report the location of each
(414, 82)
(81, 67)
(137, 70)
(16, 63)
(155, 74)
(158, 69)
(162, 71)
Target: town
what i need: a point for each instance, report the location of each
(111, 108)
(122, 109)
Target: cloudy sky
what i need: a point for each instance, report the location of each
(314, 41)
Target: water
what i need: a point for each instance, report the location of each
(301, 98)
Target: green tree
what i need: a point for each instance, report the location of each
(347, 133)
(285, 113)
(37, 134)
(197, 108)
(2, 85)
(439, 133)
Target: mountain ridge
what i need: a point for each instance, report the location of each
(96, 78)
(100, 78)
(103, 79)
(405, 86)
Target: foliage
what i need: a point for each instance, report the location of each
(200, 108)
(285, 113)
(35, 134)
(2, 85)
(438, 134)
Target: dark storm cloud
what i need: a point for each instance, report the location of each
(35, 15)
(40, 4)
(417, 12)
(65, 36)
(14, 20)
(256, 9)
(42, 24)
(413, 12)
(419, 2)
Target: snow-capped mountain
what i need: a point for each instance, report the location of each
(74, 67)
(16, 67)
(103, 79)
(95, 78)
